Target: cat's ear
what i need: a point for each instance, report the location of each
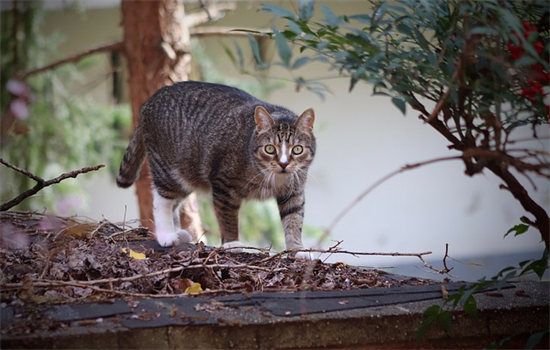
(263, 119)
(305, 120)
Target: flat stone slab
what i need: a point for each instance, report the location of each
(366, 317)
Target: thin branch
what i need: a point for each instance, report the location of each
(110, 281)
(447, 269)
(385, 178)
(338, 251)
(229, 31)
(22, 171)
(116, 46)
(41, 183)
(206, 10)
(439, 106)
(209, 13)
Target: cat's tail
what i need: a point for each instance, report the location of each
(132, 160)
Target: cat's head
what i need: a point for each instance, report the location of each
(285, 145)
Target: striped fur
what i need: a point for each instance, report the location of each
(209, 137)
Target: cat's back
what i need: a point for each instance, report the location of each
(196, 101)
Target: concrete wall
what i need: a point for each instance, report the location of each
(360, 139)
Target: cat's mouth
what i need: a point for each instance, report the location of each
(283, 171)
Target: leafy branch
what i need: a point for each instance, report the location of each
(40, 182)
(482, 65)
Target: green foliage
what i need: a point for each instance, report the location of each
(259, 223)
(464, 298)
(208, 69)
(63, 130)
(414, 50)
(434, 315)
(519, 229)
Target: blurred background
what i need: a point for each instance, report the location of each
(80, 116)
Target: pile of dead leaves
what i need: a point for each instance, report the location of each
(48, 259)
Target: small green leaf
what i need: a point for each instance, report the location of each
(229, 54)
(285, 53)
(400, 103)
(445, 320)
(239, 60)
(256, 51)
(483, 31)
(524, 60)
(519, 229)
(535, 339)
(278, 11)
(539, 266)
(405, 29)
(330, 18)
(293, 27)
(300, 62)
(525, 220)
(434, 315)
(470, 307)
(365, 19)
(306, 9)
(428, 318)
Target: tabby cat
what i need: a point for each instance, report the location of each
(203, 136)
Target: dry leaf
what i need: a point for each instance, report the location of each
(194, 289)
(81, 230)
(444, 292)
(134, 254)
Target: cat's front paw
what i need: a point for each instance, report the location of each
(167, 239)
(232, 246)
(303, 256)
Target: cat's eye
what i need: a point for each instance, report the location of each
(269, 149)
(297, 150)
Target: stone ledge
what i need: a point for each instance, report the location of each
(226, 324)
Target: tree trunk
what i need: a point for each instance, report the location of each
(157, 51)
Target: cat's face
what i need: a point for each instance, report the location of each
(285, 149)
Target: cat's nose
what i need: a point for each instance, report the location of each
(283, 165)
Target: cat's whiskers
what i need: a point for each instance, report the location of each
(261, 172)
(264, 185)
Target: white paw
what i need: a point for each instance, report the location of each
(304, 256)
(167, 239)
(184, 236)
(231, 246)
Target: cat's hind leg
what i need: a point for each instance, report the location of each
(167, 232)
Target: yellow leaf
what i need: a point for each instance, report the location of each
(134, 254)
(81, 230)
(195, 288)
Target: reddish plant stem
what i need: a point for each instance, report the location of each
(542, 221)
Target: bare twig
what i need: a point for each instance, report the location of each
(229, 31)
(116, 46)
(439, 106)
(209, 13)
(339, 251)
(41, 183)
(447, 269)
(385, 178)
(84, 284)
